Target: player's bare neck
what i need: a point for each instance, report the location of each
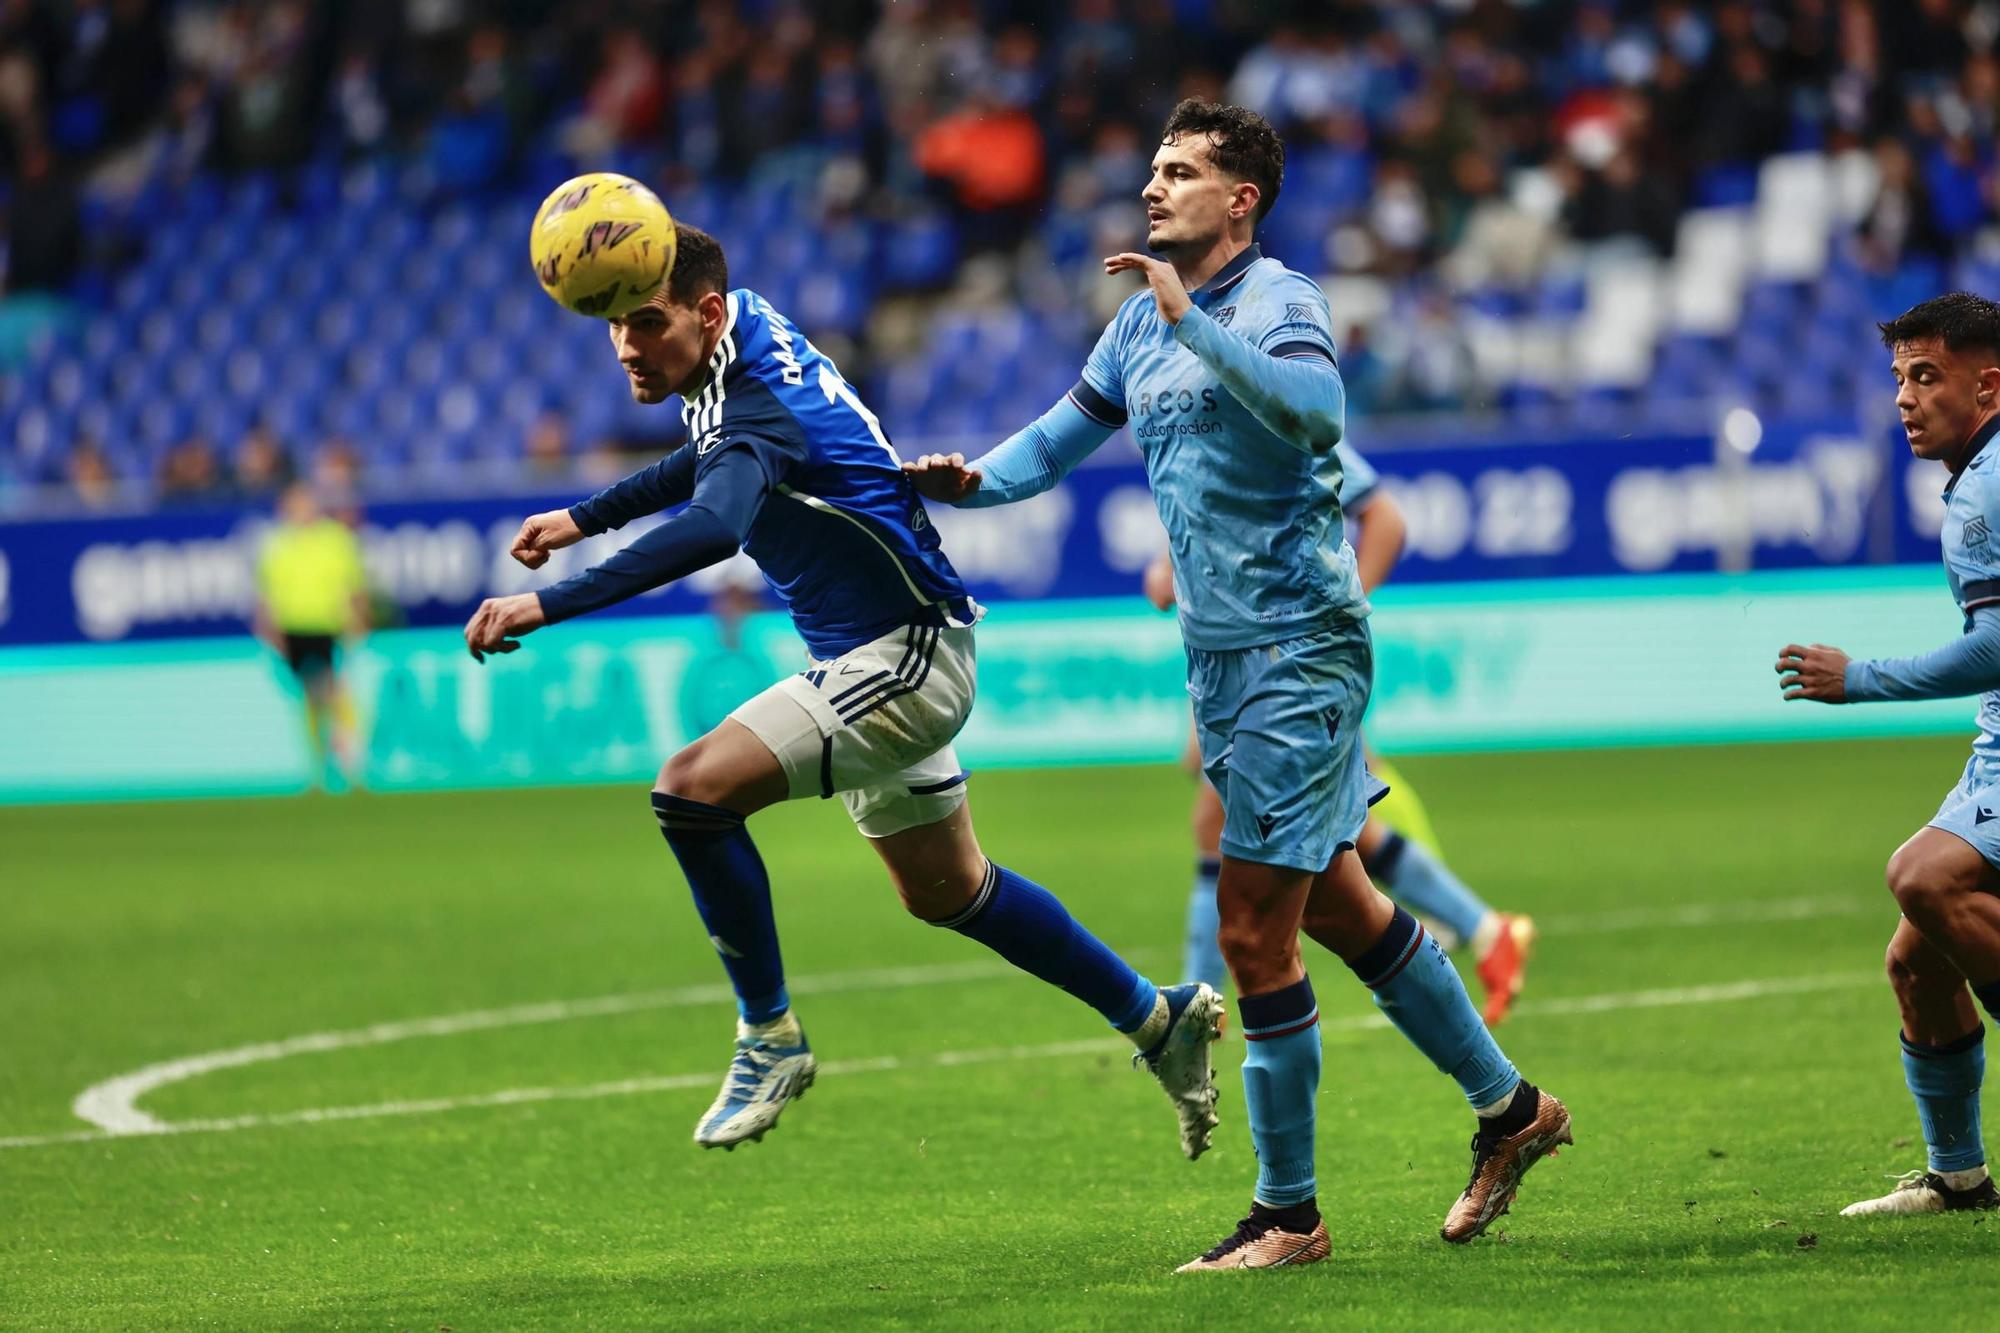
(1197, 268)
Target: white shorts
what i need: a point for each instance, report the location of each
(875, 725)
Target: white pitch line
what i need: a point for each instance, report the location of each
(112, 1105)
(1584, 1004)
(1716, 914)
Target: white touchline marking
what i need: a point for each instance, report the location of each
(1666, 997)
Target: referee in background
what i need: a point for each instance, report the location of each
(312, 592)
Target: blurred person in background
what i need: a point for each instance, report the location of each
(547, 450)
(92, 481)
(312, 593)
(190, 476)
(263, 468)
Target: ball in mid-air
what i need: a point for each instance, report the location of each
(602, 244)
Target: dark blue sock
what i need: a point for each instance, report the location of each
(1989, 996)
(1026, 924)
(1945, 1082)
(733, 894)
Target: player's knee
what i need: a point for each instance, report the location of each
(1250, 949)
(1925, 884)
(938, 892)
(692, 777)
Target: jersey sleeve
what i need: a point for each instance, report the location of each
(1297, 321)
(649, 490)
(1100, 391)
(1976, 559)
(1358, 479)
(776, 453)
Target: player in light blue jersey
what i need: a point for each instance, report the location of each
(1946, 878)
(1225, 369)
(1397, 849)
(785, 462)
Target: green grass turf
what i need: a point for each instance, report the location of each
(1712, 1138)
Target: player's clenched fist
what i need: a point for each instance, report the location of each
(542, 533)
(498, 620)
(943, 477)
(1814, 672)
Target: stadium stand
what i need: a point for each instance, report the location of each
(247, 239)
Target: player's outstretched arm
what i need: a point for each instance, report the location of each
(709, 530)
(649, 490)
(1026, 463)
(1968, 665)
(1300, 400)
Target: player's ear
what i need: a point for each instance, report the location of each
(713, 310)
(1243, 201)
(1988, 392)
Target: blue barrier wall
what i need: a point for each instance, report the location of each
(1634, 504)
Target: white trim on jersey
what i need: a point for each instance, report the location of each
(814, 502)
(704, 414)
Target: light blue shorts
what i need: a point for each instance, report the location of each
(1972, 810)
(1280, 733)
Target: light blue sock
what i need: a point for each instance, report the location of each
(1202, 958)
(1280, 1089)
(1029, 927)
(1418, 988)
(1424, 884)
(1945, 1081)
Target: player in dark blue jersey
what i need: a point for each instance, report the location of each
(785, 462)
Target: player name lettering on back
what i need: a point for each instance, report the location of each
(781, 335)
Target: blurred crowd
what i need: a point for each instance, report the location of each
(1443, 147)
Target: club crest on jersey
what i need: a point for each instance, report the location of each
(707, 441)
(1225, 316)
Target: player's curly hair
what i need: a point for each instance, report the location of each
(699, 266)
(1961, 321)
(1240, 141)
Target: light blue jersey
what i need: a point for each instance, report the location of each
(1358, 481)
(1971, 541)
(1238, 410)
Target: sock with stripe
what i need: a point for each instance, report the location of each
(732, 893)
(1029, 927)
(1945, 1082)
(1201, 960)
(1422, 882)
(1989, 997)
(1420, 991)
(1280, 1088)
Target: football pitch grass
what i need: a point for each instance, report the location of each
(510, 1147)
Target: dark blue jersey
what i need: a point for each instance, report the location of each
(791, 462)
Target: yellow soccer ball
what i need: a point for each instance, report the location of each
(602, 244)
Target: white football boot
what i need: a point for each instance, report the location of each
(773, 1066)
(1180, 1060)
(1925, 1192)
